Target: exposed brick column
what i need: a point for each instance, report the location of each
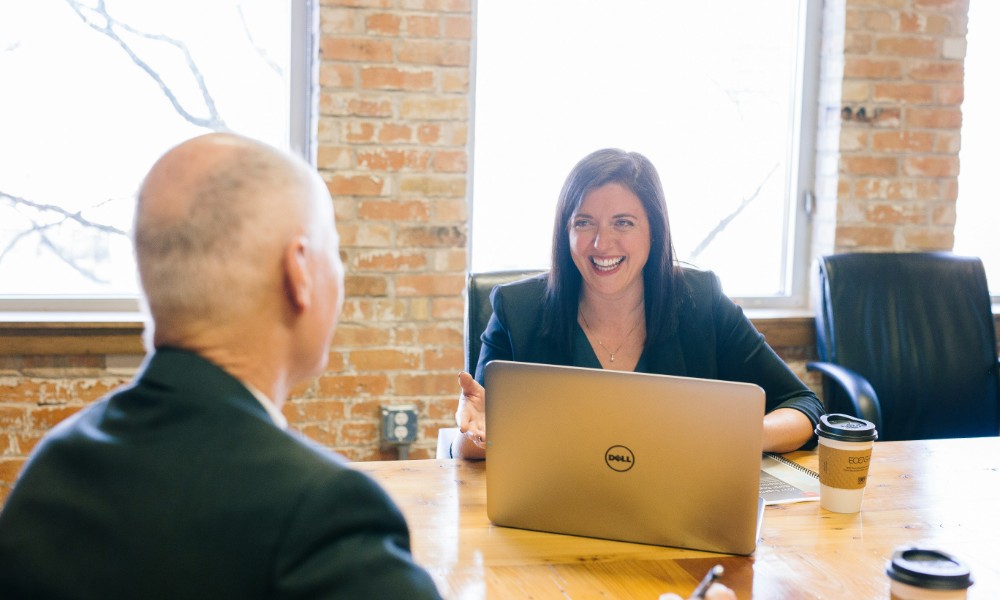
(901, 124)
(393, 147)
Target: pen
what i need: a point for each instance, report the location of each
(713, 574)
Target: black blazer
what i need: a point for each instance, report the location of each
(713, 340)
(181, 486)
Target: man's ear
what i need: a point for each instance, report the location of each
(298, 281)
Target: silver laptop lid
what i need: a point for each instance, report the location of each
(656, 459)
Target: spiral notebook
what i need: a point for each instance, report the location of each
(655, 459)
(783, 481)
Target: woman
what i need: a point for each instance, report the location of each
(615, 298)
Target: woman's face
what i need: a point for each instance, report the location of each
(609, 240)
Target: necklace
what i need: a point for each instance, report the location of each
(610, 353)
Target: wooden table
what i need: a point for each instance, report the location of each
(942, 493)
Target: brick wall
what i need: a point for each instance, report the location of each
(394, 148)
(36, 392)
(393, 137)
(900, 124)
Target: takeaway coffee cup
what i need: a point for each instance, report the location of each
(845, 449)
(927, 574)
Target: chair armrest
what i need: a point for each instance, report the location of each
(858, 390)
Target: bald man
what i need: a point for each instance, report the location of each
(186, 484)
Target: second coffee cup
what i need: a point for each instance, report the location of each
(845, 450)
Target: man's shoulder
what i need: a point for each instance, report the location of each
(309, 453)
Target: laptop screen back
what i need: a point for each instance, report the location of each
(635, 457)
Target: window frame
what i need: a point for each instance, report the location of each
(798, 277)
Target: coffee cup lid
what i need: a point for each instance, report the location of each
(846, 428)
(929, 569)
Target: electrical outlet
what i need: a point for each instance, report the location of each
(399, 424)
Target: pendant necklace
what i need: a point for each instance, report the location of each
(610, 353)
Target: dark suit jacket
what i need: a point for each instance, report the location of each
(181, 486)
(713, 340)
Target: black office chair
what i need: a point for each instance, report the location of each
(478, 309)
(907, 341)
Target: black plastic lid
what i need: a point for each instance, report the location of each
(928, 569)
(846, 428)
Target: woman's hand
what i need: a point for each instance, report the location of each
(471, 416)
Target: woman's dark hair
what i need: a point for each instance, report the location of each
(661, 276)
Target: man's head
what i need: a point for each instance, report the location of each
(235, 244)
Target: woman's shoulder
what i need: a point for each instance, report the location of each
(522, 299)
(699, 282)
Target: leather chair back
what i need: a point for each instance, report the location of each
(478, 309)
(919, 328)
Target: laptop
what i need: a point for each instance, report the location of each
(654, 459)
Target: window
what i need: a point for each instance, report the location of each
(95, 91)
(714, 93)
(978, 208)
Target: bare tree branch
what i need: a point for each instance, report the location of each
(44, 240)
(69, 260)
(261, 51)
(107, 26)
(725, 221)
(75, 216)
(23, 234)
(47, 219)
(41, 229)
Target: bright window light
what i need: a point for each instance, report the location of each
(93, 92)
(978, 208)
(712, 92)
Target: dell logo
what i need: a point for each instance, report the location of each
(619, 458)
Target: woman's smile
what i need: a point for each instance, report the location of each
(606, 265)
(609, 240)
